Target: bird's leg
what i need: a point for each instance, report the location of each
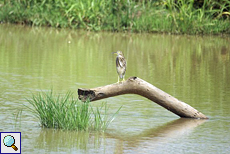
(118, 80)
(123, 79)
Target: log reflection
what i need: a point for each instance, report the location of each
(161, 134)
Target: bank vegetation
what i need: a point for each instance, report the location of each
(166, 16)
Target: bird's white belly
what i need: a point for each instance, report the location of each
(121, 72)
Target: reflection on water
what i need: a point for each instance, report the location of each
(49, 139)
(194, 69)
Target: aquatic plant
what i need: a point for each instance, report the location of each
(172, 16)
(65, 112)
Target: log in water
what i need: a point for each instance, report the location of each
(135, 85)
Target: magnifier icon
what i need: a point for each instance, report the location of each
(9, 141)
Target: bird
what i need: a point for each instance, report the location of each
(120, 65)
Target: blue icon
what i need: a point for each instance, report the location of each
(9, 141)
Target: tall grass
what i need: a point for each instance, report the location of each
(198, 17)
(174, 16)
(64, 112)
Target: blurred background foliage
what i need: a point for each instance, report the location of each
(173, 16)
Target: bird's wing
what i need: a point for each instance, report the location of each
(122, 62)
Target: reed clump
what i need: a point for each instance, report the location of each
(65, 112)
(171, 16)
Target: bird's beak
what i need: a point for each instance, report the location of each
(114, 52)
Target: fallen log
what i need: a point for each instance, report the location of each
(135, 85)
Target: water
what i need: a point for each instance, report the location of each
(194, 69)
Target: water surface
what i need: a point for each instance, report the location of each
(194, 69)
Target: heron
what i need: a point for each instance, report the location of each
(121, 65)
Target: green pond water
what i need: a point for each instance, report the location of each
(194, 69)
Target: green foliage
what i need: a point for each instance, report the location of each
(174, 16)
(198, 17)
(64, 112)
